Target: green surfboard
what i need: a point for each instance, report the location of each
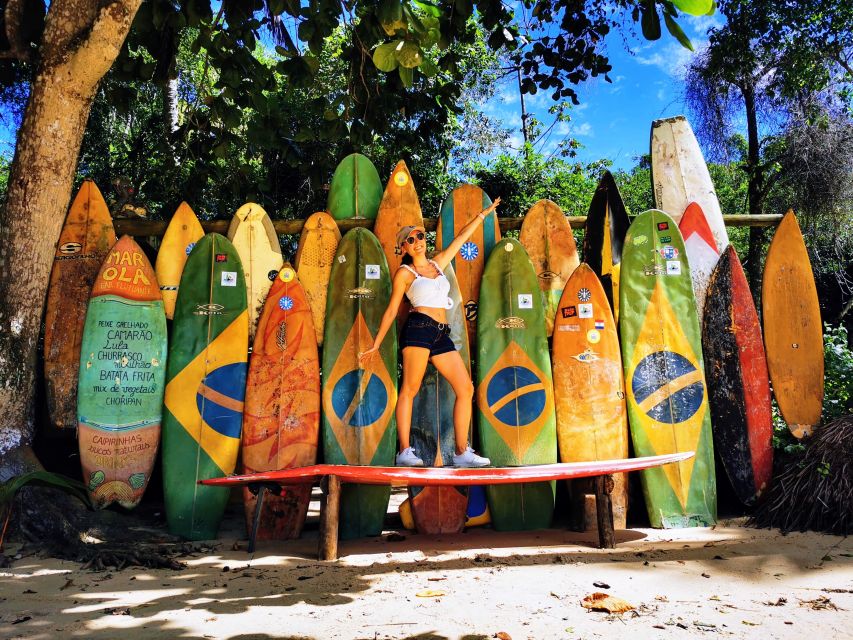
(359, 427)
(515, 396)
(206, 384)
(664, 373)
(355, 191)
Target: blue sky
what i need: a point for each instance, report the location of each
(613, 120)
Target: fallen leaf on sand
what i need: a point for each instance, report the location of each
(779, 603)
(21, 619)
(819, 604)
(601, 585)
(430, 593)
(603, 602)
(502, 635)
(67, 584)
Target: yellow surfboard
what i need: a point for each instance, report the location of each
(252, 233)
(314, 257)
(183, 232)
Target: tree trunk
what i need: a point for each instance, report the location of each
(79, 45)
(755, 191)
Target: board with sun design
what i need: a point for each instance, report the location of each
(281, 425)
(664, 373)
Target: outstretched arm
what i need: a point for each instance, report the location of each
(443, 257)
(402, 279)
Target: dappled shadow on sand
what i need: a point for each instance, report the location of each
(46, 599)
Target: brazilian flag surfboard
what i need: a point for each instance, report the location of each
(358, 401)
(515, 395)
(206, 384)
(664, 373)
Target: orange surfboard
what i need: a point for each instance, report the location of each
(589, 389)
(183, 232)
(458, 209)
(399, 207)
(83, 244)
(318, 244)
(547, 236)
(281, 420)
(793, 335)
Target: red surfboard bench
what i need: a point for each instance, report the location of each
(330, 477)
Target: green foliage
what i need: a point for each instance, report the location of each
(522, 179)
(75, 488)
(838, 388)
(635, 186)
(838, 373)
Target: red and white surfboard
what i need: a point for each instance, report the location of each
(702, 251)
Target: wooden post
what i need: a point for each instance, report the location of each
(259, 505)
(604, 511)
(330, 511)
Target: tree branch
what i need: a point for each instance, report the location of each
(13, 18)
(97, 52)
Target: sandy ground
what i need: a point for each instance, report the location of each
(725, 581)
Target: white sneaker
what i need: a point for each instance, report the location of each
(407, 458)
(470, 459)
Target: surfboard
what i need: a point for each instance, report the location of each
(667, 398)
(183, 232)
(399, 207)
(122, 376)
(206, 384)
(604, 233)
(252, 233)
(547, 237)
(515, 396)
(281, 422)
(477, 513)
(738, 383)
(793, 335)
(458, 209)
(318, 244)
(83, 244)
(405, 476)
(680, 175)
(358, 402)
(702, 254)
(355, 190)
(589, 391)
(439, 509)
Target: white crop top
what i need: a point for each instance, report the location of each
(429, 292)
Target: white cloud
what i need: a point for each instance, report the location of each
(671, 58)
(661, 94)
(584, 129)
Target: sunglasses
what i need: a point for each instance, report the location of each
(419, 235)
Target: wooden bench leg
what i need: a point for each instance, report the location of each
(330, 511)
(604, 511)
(259, 490)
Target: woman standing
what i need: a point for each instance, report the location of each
(426, 337)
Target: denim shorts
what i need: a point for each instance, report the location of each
(422, 331)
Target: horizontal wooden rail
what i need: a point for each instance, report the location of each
(140, 227)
